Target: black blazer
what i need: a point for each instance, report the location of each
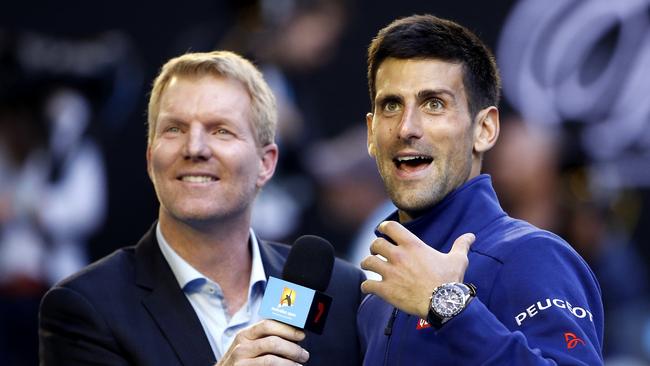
(127, 309)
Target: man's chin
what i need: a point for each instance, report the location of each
(411, 208)
(198, 216)
(414, 206)
(194, 216)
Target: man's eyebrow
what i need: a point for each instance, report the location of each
(435, 93)
(166, 119)
(383, 99)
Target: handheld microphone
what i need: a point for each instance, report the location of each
(298, 298)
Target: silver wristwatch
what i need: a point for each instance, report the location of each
(448, 300)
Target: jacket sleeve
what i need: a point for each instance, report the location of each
(72, 332)
(545, 309)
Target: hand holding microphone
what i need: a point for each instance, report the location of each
(295, 302)
(266, 343)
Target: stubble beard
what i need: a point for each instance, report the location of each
(416, 199)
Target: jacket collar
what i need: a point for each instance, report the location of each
(468, 209)
(168, 305)
(272, 260)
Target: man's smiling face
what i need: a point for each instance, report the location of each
(204, 160)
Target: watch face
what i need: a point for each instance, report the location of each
(448, 301)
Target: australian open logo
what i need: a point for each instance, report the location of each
(288, 297)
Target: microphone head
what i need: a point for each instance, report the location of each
(310, 263)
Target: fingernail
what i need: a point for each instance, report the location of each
(363, 288)
(305, 355)
(300, 335)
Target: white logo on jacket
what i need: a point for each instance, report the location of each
(539, 306)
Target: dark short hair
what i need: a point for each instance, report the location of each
(430, 37)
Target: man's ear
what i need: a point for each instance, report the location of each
(371, 145)
(486, 129)
(148, 155)
(268, 162)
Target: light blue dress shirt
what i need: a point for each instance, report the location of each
(207, 298)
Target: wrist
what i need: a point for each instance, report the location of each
(448, 300)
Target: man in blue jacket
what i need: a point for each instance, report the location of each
(462, 282)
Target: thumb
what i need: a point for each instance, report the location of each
(462, 244)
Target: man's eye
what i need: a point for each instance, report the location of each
(222, 131)
(172, 129)
(434, 104)
(391, 107)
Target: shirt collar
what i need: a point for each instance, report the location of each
(185, 273)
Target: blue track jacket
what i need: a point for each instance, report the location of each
(537, 303)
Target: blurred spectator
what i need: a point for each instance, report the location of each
(288, 37)
(55, 197)
(53, 182)
(597, 231)
(349, 190)
(529, 192)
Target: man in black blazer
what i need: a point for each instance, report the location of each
(189, 291)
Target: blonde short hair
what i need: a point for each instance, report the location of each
(224, 64)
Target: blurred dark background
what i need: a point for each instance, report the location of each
(573, 157)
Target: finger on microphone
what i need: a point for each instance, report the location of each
(282, 350)
(269, 327)
(276, 361)
(268, 342)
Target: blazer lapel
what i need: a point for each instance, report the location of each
(168, 305)
(272, 260)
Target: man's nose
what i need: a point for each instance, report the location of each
(410, 126)
(196, 144)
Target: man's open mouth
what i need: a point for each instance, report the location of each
(414, 162)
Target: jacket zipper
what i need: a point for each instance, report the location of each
(388, 331)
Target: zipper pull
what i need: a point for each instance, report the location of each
(389, 327)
